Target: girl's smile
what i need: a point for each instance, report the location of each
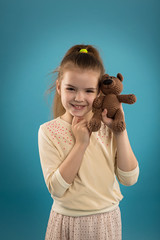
(78, 107)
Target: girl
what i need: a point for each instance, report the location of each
(81, 169)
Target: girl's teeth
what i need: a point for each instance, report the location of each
(78, 107)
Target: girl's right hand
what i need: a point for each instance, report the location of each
(80, 131)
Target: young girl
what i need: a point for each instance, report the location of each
(81, 169)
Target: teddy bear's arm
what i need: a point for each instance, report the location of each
(95, 122)
(98, 101)
(128, 98)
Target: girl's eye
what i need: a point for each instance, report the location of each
(90, 91)
(70, 89)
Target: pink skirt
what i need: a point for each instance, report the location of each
(101, 226)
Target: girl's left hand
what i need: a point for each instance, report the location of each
(109, 121)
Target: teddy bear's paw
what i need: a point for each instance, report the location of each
(132, 98)
(118, 126)
(94, 125)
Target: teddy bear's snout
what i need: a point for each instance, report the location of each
(107, 82)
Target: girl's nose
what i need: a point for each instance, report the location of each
(79, 97)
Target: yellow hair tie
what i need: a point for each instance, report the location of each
(83, 51)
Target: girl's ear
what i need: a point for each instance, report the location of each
(58, 87)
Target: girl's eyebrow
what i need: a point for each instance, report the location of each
(75, 87)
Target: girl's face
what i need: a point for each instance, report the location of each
(78, 89)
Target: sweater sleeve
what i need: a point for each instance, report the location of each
(128, 178)
(50, 162)
(125, 178)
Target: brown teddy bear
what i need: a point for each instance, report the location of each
(111, 87)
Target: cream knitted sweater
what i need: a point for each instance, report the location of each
(95, 188)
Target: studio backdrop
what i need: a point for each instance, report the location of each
(34, 37)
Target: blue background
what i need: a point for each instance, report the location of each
(34, 37)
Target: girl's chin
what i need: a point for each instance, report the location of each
(81, 115)
(77, 114)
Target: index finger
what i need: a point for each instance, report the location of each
(76, 120)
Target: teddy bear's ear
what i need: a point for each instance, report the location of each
(120, 77)
(102, 79)
(106, 75)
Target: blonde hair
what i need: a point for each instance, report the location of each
(74, 58)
